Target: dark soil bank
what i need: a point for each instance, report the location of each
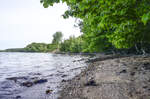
(111, 78)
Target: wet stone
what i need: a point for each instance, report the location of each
(17, 78)
(49, 91)
(63, 80)
(135, 68)
(123, 71)
(35, 74)
(27, 84)
(145, 87)
(132, 73)
(91, 83)
(34, 78)
(18, 97)
(63, 76)
(40, 81)
(146, 66)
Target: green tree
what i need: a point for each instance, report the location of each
(57, 38)
(72, 44)
(108, 23)
(36, 47)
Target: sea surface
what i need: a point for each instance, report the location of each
(19, 68)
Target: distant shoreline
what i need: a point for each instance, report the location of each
(69, 53)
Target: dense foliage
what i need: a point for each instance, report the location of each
(72, 44)
(57, 38)
(36, 47)
(14, 50)
(42, 47)
(33, 47)
(111, 23)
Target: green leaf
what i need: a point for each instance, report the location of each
(146, 18)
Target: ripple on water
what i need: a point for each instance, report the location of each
(28, 67)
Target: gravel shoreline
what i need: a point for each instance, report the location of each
(111, 77)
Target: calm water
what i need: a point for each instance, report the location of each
(53, 67)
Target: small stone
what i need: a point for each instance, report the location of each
(123, 71)
(49, 91)
(63, 76)
(78, 78)
(74, 61)
(91, 83)
(146, 66)
(18, 97)
(16, 78)
(146, 63)
(138, 92)
(144, 87)
(37, 74)
(132, 73)
(135, 67)
(27, 84)
(33, 78)
(40, 81)
(63, 80)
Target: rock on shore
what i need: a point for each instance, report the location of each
(111, 78)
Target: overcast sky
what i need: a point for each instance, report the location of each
(26, 21)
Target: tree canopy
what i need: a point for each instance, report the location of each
(72, 44)
(57, 38)
(108, 23)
